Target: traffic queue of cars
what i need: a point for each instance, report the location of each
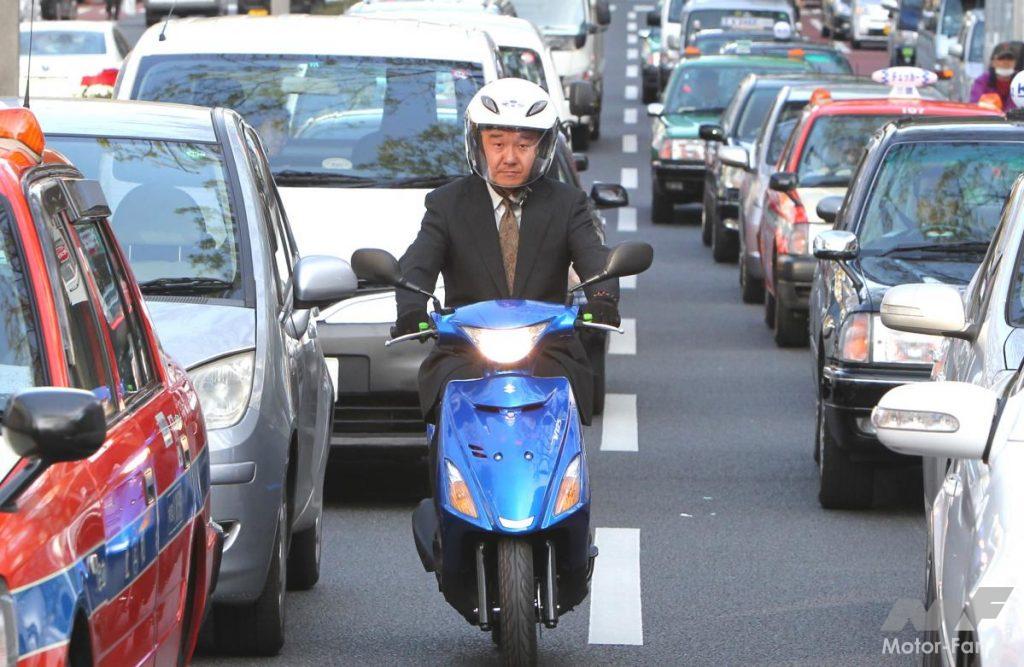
(873, 218)
(211, 356)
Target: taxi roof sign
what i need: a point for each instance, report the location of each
(20, 125)
(904, 80)
(1017, 90)
(819, 96)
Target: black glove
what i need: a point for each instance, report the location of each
(410, 322)
(601, 310)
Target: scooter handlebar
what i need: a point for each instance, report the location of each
(419, 335)
(580, 324)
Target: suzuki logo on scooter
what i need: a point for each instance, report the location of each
(510, 388)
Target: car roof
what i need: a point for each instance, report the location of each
(890, 105)
(112, 118)
(931, 128)
(849, 90)
(800, 78)
(465, 6)
(68, 26)
(505, 30)
(753, 61)
(303, 34)
(691, 5)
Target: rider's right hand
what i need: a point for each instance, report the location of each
(411, 322)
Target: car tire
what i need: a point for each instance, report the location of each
(304, 556)
(662, 209)
(257, 628)
(706, 220)
(580, 137)
(751, 289)
(650, 94)
(769, 310)
(790, 326)
(724, 243)
(842, 483)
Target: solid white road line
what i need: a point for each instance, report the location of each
(629, 177)
(816, 24)
(631, 39)
(632, 92)
(632, 54)
(627, 282)
(631, 26)
(629, 143)
(618, 424)
(624, 343)
(632, 71)
(629, 116)
(627, 219)
(615, 612)
(631, 16)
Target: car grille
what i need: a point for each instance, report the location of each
(378, 415)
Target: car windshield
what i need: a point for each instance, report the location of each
(759, 103)
(833, 149)
(715, 41)
(750, 20)
(20, 362)
(820, 60)
(333, 120)
(708, 88)
(523, 64)
(171, 210)
(938, 193)
(63, 43)
(565, 16)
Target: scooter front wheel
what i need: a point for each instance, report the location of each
(517, 627)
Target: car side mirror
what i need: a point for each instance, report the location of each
(956, 50)
(836, 244)
(581, 161)
(828, 208)
(655, 109)
(609, 195)
(582, 98)
(937, 419)
(49, 425)
(602, 12)
(926, 308)
(782, 181)
(322, 280)
(654, 18)
(712, 133)
(734, 156)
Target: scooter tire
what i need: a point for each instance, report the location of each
(517, 628)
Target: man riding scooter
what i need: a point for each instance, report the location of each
(506, 231)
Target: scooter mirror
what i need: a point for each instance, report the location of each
(628, 259)
(376, 266)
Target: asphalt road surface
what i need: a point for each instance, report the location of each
(714, 550)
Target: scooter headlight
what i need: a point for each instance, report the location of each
(570, 488)
(459, 496)
(505, 346)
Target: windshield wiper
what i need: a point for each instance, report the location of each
(432, 181)
(297, 177)
(957, 246)
(183, 285)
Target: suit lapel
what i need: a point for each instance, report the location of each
(484, 231)
(532, 229)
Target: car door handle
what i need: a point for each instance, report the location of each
(150, 483)
(952, 486)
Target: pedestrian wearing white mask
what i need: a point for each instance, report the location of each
(1003, 66)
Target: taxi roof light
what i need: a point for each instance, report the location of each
(991, 101)
(691, 52)
(20, 125)
(904, 80)
(820, 96)
(796, 53)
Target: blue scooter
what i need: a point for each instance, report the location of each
(507, 532)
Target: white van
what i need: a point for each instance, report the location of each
(360, 117)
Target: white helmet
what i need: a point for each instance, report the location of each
(511, 104)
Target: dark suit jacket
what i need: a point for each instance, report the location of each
(459, 240)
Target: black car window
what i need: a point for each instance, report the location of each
(759, 103)
(938, 193)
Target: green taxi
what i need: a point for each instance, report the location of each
(697, 93)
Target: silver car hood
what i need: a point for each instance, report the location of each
(193, 333)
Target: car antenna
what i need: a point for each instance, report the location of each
(166, 19)
(28, 68)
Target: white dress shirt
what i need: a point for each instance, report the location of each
(499, 208)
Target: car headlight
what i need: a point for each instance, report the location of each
(732, 177)
(505, 346)
(224, 387)
(459, 496)
(682, 149)
(8, 626)
(864, 338)
(570, 488)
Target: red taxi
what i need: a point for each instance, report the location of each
(817, 162)
(107, 549)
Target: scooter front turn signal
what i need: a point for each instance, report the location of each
(569, 490)
(458, 492)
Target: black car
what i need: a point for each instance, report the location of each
(925, 200)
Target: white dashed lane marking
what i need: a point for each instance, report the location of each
(632, 54)
(615, 611)
(629, 177)
(618, 423)
(624, 343)
(629, 116)
(643, 8)
(627, 219)
(632, 92)
(632, 71)
(631, 39)
(627, 282)
(631, 26)
(629, 143)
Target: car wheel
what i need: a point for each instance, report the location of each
(257, 628)
(595, 127)
(707, 218)
(751, 289)
(842, 483)
(790, 325)
(304, 556)
(580, 137)
(724, 243)
(769, 310)
(650, 94)
(662, 208)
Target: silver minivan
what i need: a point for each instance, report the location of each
(966, 57)
(198, 216)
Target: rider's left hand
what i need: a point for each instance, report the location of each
(602, 310)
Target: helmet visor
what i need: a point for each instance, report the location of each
(509, 157)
